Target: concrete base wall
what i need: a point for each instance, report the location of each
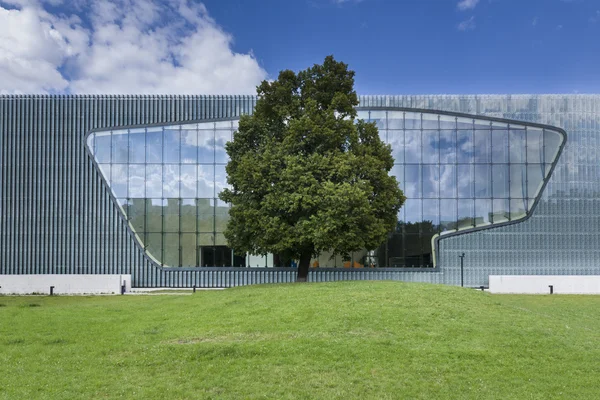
(63, 284)
(539, 284)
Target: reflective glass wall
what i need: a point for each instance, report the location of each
(458, 173)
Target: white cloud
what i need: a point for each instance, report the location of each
(467, 25)
(535, 21)
(467, 4)
(595, 17)
(125, 46)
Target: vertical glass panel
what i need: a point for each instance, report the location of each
(189, 146)
(206, 181)
(154, 145)
(221, 138)
(171, 145)
(171, 249)
(483, 181)
(398, 172)
(413, 179)
(535, 179)
(119, 180)
(448, 216)
(500, 147)
(447, 147)
(395, 120)
(189, 181)
(154, 181)
(464, 144)
(483, 125)
(412, 120)
(431, 181)
(413, 209)
(137, 181)
(431, 213)
(518, 208)
(105, 170)
(396, 140)
(206, 146)
(363, 114)
(430, 121)
(518, 180)
(483, 146)
(221, 216)
(517, 146)
(412, 147)
(120, 147)
(221, 241)
(206, 239)
(431, 147)
(552, 142)
(137, 146)
(448, 181)
(464, 123)
(206, 215)
(535, 145)
(465, 181)
(171, 180)
(102, 147)
(500, 181)
(154, 211)
(483, 212)
(447, 122)
(171, 215)
(465, 214)
(379, 117)
(413, 248)
(188, 215)
(154, 246)
(137, 215)
(220, 179)
(500, 210)
(188, 250)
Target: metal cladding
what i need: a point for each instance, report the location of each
(58, 215)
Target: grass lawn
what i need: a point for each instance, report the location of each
(328, 340)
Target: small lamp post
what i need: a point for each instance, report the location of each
(462, 269)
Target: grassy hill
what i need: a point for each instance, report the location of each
(335, 340)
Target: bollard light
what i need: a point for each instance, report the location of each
(51, 290)
(551, 289)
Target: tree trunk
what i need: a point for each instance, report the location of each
(303, 267)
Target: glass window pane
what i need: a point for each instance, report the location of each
(379, 117)
(221, 241)
(171, 180)
(518, 208)
(465, 214)
(396, 140)
(535, 179)
(431, 213)
(120, 147)
(221, 216)
(431, 181)
(448, 181)
(412, 120)
(483, 181)
(154, 180)
(518, 181)
(188, 250)
(220, 179)
(413, 210)
(154, 246)
(154, 210)
(412, 147)
(189, 146)
(206, 239)
(171, 249)
(448, 217)
(172, 144)
(500, 147)
(535, 145)
(483, 146)
(464, 123)
(517, 146)
(412, 176)
(464, 144)
(188, 215)
(447, 147)
(413, 250)
(171, 215)
(206, 215)
(154, 145)
(137, 215)
(395, 120)
(552, 141)
(465, 181)
(483, 212)
(500, 182)
(430, 121)
(447, 122)
(102, 147)
(398, 172)
(119, 179)
(137, 181)
(206, 181)
(431, 147)
(206, 146)
(500, 211)
(189, 181)
(137, 146)
(221, 138)
(105, 170)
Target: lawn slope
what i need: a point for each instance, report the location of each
(334, 340)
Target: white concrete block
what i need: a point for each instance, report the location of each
(64, 284)
(540, 284)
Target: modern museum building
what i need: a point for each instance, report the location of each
(507, 184)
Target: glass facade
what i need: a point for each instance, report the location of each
(458, 173)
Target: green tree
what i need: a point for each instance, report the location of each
(305, 176)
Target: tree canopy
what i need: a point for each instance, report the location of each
(306, 177)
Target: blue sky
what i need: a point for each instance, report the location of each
(229, 46)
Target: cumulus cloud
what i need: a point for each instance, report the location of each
(467, 25)
(119, 47)
(467, 4)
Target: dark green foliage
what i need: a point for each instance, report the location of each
(306, 176)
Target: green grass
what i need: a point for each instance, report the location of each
(337, 340)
